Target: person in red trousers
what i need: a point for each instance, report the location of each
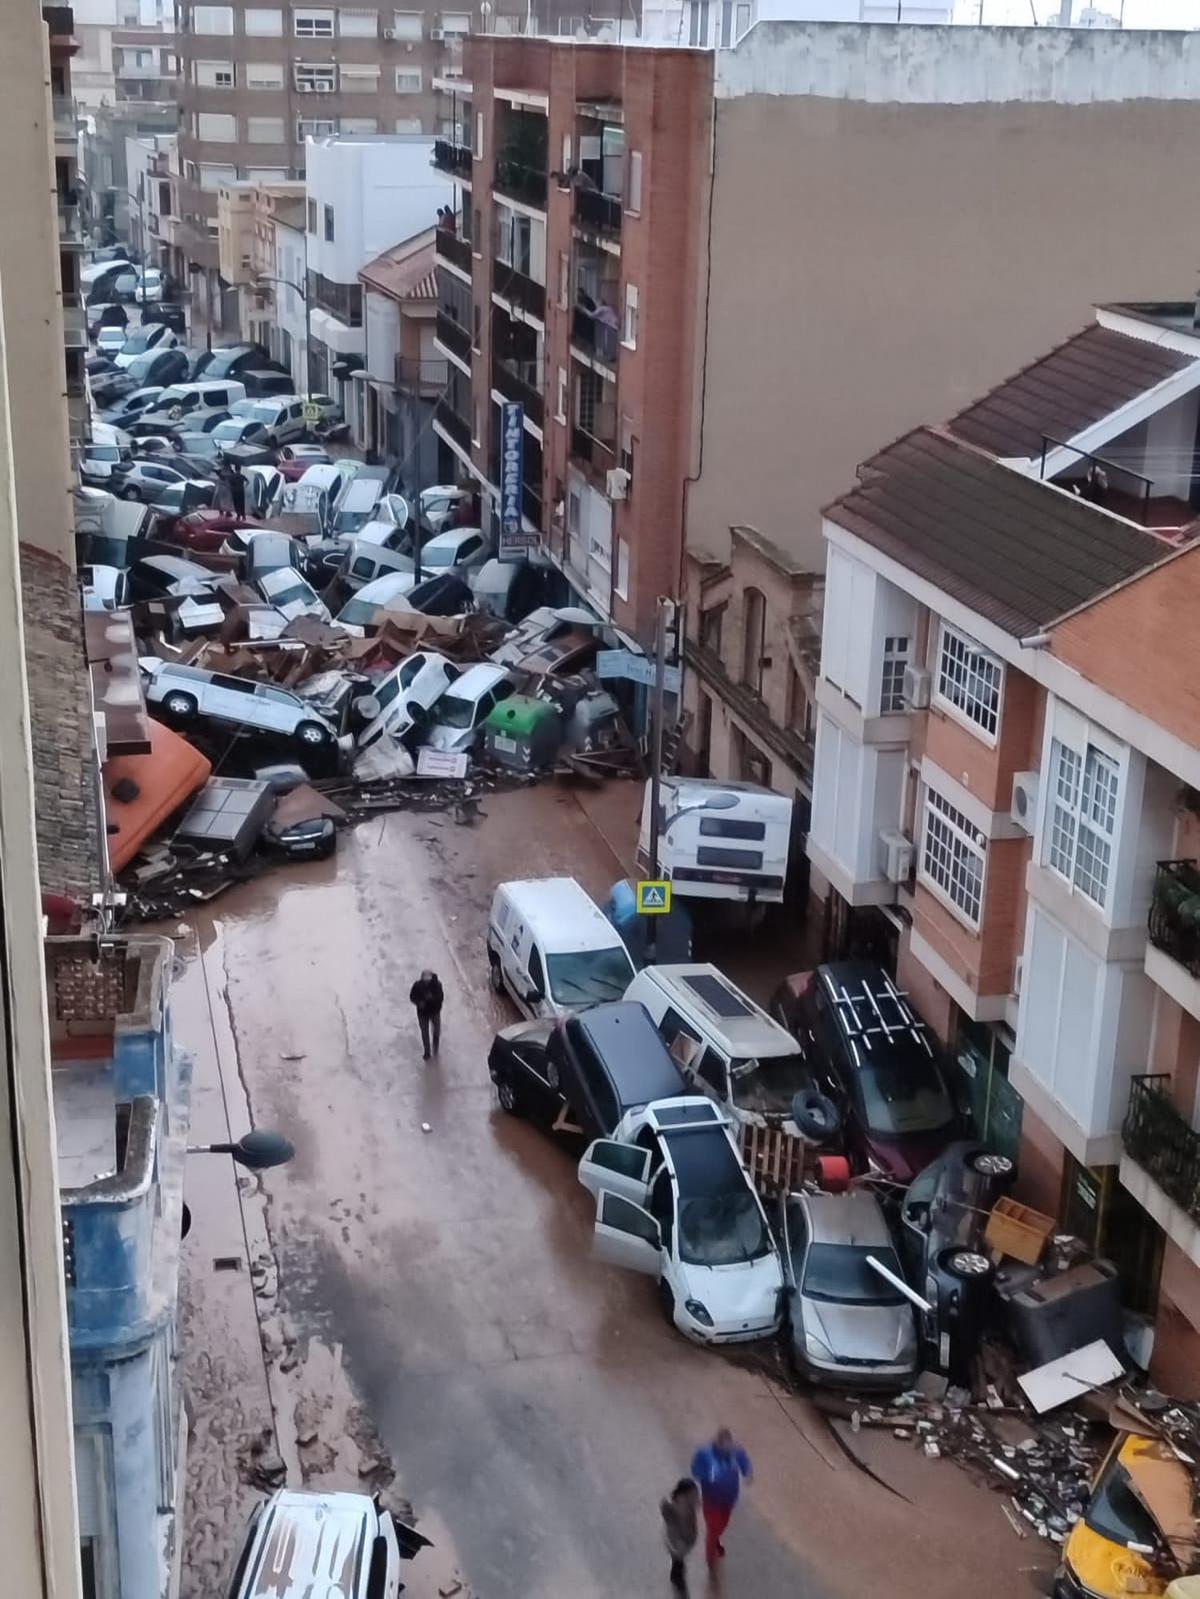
(720, 1468)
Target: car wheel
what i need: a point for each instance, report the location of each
(667, 1300)
(496, 975)
(988, 1164)
(130, 494)
(967, 1265)
(181, 705)
(552, 1074)
(311, 733)
(507, 1095)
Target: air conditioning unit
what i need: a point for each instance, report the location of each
(389, 33)
(916, 688)
(324, 88)
(616, 483)
(897, 856)
(437, 34)
(1024, 801)
(305, 88)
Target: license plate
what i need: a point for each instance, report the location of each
(502, 742)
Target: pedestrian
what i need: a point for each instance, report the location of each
(681, 1527)
(237, 489)
(719, 1468)
(426, 994)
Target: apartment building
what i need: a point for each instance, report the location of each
(570, 284)
(403, 374)
(1007, 770)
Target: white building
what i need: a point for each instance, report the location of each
(362, 197)
(719, 24)
(289, 334)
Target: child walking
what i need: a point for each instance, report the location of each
(681, 1527)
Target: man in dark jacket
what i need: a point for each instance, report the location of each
(426, 994)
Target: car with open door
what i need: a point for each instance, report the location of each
(942, 1217)
(674, 1201)
(849, 1322)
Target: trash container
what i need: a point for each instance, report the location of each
(522, 733)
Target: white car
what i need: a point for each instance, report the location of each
(404, 698)
(460, 550)
(110, 340)
(304, 1543)
(103, 588)
(149, 290)
(151, 336)
(673, 1200)
(288, 592)
(239, 430)
(466, 705)
(435, 504)
(367, 607)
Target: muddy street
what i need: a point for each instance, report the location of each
(430, 1275)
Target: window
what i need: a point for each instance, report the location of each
(754, 637)
(408, 80)
(214, 74)
(354, 23)
(263, 74)
(212, 19)
(726, 24)
(408, 25)
(710, 627)
(633, 197)
(564, 280)
(409, 125)
(698, 23)
(310, 24)
(456, 22)
(968, 679)
(891, 688)
(315, 77)
(742, 20)
(265, 130)
(318, 128)
(359, 80)
(312, 216)
(952, 856)
(216, 127)
(622, 569)
(359, 125)
(630, 332)
(627, 453)
(261, 23)
(1083, 817)
(560, 397)
(328, 224)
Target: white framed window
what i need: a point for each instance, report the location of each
(629, 331)
(355, 23)
(409, 125)
(267, 174)
(216, 127)
(968, 681)
(560, 397)
(263, 22)
(358, 125)
(622, 569)
(953, 857)
(633, 196)
(263, 74)
(456, 22)
(214, 74)
(265, 130)
(408, 25)
(408, 80)
(315, 77)
(600, 544)
(891, 684)
(574, 509)
(213, 178)
(212, 19)
(359, 80)
(311, 23)
(1082, 817)
(315, 128)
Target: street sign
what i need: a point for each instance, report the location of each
(653, 897)
(514, 543)
(312, 412)
(637, 668)
(441, 763)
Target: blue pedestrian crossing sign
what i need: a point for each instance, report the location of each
(653, 898)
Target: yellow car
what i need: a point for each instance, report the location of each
(1116, 1549)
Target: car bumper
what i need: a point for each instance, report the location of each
(865, 1379)
(730, 1335)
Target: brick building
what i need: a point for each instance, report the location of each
(1004, 800)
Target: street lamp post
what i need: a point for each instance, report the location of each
(263, 277)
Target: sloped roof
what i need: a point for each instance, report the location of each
(405, 272)
(1089, 376)
(1018, 551)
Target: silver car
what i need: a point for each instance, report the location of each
(848, 1325)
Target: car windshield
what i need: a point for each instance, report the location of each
(357, 613)
(908, 1098)
(170, 498)
(722, 1229)
(139, 341)
(1115, 1511)
(298, 591)
(349, 521)
(770, 1084)
(438, 556)
(229, 430)
(590, 976)
(103, 452)
(455, 712)
(839, 1273)
(262, 413)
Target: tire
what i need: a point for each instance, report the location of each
(986, 1164)
(496, 975)
(312, 734)
(180, 705)
(816, 1116)
(666, 1300)
(507, 1095)
(130, 494)
(552, 1076)
(966, 1265)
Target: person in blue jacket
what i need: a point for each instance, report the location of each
(720, 1468)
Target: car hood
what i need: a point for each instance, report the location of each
(884, 1333)
(739, 1296)
(904, 1156)
(451, 739)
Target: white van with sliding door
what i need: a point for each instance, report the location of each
(552, 949)
(719, 840)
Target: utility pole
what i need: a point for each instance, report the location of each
(664, 608)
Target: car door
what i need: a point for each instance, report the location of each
(626, 1235)
(529, 1057)
(231, 699)
(276, 707)
(611, 1166)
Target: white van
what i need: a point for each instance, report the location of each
(720, 840)
(552, 948)
(319, 486)
(190, 402)
(355, 507)
(367, 561)
(281, 414)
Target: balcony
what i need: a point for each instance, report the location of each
(66, 123)
(1163, 1144)
(453, 249)
(455, 159)
(453, 425)
(454, 337)
(70, 226)
(598, 338)
(1173, 946)
(518, 381)
(425, 377)
(519, 290)
(591, 452)
(74, 322)
(520, 182)
(598, 213)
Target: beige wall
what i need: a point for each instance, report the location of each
(876, 265)
(29, 266)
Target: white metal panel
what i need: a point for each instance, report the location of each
(835, 644)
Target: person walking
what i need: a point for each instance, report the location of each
(237, 489)
(427, 995)
(681, 1527)
(720, 1468)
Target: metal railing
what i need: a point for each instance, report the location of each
(66, 123)
(592, 452)
(424, 375)
(453, 249)
(453, 424)
(453, 158)
(70, 227)
(600, 212)
(74, 321)
(518, 381)
(454, 336)
(520, 182)
(600, 339)
(511, 284)
(1175, 913)
(1163, 1142)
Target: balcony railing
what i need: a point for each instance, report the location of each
(66, 124)
(601, 213)
(74, 322)
(425, 376)
(592, 452)
(1175, 913)
(455, 159)
(453, 249)
(531, 505)
(514, 286)
(454, 336)
(518, 381)
(591, 333)
(1163, 1142)
(520, 182)
(70, 227)
(453, 424)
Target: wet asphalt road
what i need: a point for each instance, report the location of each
(536, 1405)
